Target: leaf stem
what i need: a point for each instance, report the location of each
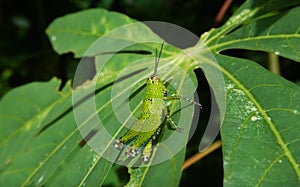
(222, 12)
(273, 63)
(200, 155)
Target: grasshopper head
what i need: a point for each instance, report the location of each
(154, 80)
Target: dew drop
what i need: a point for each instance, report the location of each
(225, 181)
(226, 163)
(280, 161)
(239, 92)
(40, 180)
(95, 158)
(229, 86)
(53, 38)
(255, 118)
(277, 53)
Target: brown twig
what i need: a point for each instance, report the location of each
(222, 12)
(200, 155)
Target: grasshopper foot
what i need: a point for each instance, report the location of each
(131, 152)
(119, 145)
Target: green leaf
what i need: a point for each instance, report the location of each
(278, 33)
(41, 142)
(261, 127)
(77, 32)
(253, 9)
(165, 174)
(250, 25)
(53, 147)
(112, 178)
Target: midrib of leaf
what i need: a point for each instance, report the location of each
(269, 169)
(278, 36)
(271, 125)
(95, 162)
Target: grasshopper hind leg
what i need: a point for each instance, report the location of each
(140, 143)
(147, 151)
(128, 137)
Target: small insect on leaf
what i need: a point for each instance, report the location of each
(146, 131)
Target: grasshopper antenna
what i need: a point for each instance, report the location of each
(157, 57)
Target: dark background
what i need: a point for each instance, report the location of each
(26, 54)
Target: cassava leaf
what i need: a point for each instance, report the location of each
(56, 152)
(40, 142)
(77, 32)
(144, 176)
(261, 127)
(278, 34)
(43, 142)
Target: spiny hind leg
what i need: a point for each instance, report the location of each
(129, 136)
(147, 151)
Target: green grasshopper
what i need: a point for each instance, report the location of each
(145, 132)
